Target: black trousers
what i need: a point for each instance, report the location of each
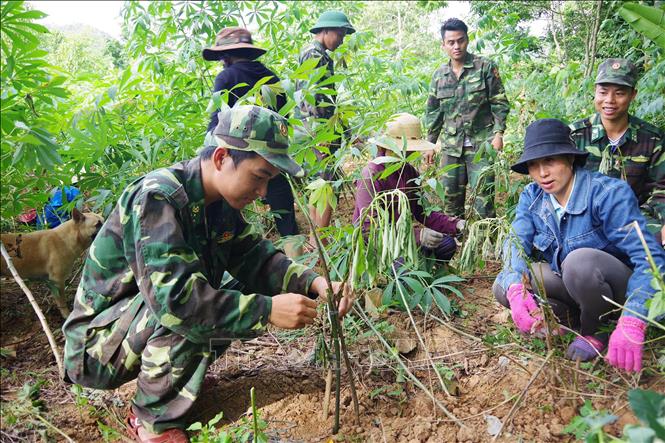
(576, 296)
(280, 199)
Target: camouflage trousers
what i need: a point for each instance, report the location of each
(455, 182)
(168, 368)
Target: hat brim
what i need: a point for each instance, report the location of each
(615, 82)
(412, 145)
(281, 161)
(548, 150)
(320, 26)
(248, 50)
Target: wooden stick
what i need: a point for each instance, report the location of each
(38, 311)
(326, 396)
(522, 394)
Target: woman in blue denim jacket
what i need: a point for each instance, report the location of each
(576, 228)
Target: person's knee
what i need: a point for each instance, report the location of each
(500, 294)
(580, 270)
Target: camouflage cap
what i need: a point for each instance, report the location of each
(617, 71)
(257, 129)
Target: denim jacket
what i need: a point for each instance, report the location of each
(597, 211)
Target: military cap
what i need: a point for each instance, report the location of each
(617, 71)
(233, 41)
(333, 19)
(257, 129)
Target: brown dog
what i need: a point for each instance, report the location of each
(50, 254)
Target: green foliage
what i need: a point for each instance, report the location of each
(647, 20)
(588, 425)
(649, 408)
(249, 429)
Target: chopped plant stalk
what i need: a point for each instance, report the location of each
(336, 327)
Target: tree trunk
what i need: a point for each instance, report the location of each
(593, 40)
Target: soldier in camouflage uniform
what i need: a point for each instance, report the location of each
(151, 305)
(466, 110)
(623, 146)
(329, 32)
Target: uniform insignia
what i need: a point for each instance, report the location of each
(616, 66)
(195, 209)
(226, 236)
(283, 129)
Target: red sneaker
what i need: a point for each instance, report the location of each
(173, 435)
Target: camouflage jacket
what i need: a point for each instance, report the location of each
(638, 159)
(325, 104)
(162, 246)
(473, 106)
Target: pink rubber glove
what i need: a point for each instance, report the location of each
(521, 307)
(626, 342)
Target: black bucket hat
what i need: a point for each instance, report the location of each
(545, 138)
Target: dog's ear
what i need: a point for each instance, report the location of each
(77, 216)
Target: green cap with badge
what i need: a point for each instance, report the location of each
(617, 71)
(257, 129)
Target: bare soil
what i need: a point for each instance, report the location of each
(489, 366)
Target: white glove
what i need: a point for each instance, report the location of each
(460, 225)
(429, 238)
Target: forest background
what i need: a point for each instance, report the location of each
(78, 103)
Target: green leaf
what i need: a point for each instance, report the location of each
(647, 20)
(649, 407)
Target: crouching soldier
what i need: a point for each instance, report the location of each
(151, 305)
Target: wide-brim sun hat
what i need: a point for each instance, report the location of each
(235, 42)
(333, 19)
(257, 129)
(400, 129)
(547, 137)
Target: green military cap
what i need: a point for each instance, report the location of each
(333, 19)
(257, 129)
(617, 71)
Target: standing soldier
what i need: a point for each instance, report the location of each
(329, 32)
(151, 305)
(466, 109)
(623, 146)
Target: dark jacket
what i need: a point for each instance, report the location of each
(249, 72)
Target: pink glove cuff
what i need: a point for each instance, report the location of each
(632, 323)
(514, 290)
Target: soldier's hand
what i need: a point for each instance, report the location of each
(292, 311)
(428, 156)
(497, 142)
(320, 286)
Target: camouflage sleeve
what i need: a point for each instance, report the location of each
(171, 279)
(654, 208)
(497, 98)
(324, 104)
(263, 269)
(433, 113)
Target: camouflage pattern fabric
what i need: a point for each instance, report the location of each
(151, 304)
(617, 71)
(474, 107)
(637, 159)
(456, 180)
(257, 129)
(324, 109)
(325, 103)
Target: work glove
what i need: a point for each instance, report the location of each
(584, 348)
(522, 304)
(429, 238)
(626, 343)
(460, 225)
